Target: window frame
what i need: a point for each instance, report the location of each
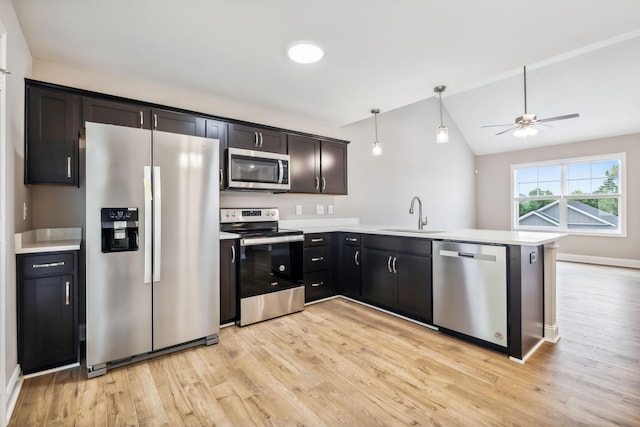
(563, 197)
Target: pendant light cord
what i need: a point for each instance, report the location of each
(440, 98)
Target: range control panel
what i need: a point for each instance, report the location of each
(249, 215)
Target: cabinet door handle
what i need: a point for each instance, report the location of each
(315, 285)
(320, 258)
(261, 140)
(66, 292)
(351, 239)
(389, 264)
(355, 257)
(233, 254)
(155, 121)
(324, 184)
(68, 166)
(141, 119)
(395, 259)
(49, 265)
(255, 143)
(321, 239)
(317, 183)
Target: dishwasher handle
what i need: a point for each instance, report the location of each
(468, 255)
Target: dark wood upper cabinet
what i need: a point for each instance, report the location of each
(317, 166)
(184, 124)
(334, 167)
(304, 167)
(216, 129)
(115, 113)
(51, 137)
(257, 138)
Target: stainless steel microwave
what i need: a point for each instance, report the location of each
(257, 170)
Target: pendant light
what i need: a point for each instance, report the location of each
(442, 133)
(376, 150)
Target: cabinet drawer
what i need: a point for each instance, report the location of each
(351, 239)
(317, 285)
(317, 258)
(49, 264)
(316, 239)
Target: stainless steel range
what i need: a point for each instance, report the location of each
(270, 283)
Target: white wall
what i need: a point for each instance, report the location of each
(18, 61)
(412, 164)
(494, 180)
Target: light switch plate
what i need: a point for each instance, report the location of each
(320, 209)
(298, 209)
(330, 209)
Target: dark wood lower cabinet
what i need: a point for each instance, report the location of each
(396, 275)
(229, 253)
(317, 262)
(350, 260)
(47, 310)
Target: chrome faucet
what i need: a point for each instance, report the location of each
(421, 223)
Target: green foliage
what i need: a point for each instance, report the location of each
(609, 186)
(533, 205)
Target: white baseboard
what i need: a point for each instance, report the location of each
(13, 390)
(551, 333)
(615, 262)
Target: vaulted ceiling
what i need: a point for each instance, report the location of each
(582, 55)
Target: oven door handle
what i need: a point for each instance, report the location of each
(253, 241)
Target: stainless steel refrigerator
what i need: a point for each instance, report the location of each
(152, 244)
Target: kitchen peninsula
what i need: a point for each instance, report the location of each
(530, 270)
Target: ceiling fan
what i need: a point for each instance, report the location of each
(525, 125)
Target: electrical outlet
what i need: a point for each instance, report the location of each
(330, 209)
(298, 209)
(24, 211)
(320, 209)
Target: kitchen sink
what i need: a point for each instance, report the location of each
(413, 230)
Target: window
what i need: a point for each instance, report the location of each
(578, 196)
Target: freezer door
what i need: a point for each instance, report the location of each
(118, 301)
(186, 262)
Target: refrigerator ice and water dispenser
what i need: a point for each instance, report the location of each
(119, 229)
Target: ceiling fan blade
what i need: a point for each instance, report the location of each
(493, 126)
(553, 119)
(507, 130)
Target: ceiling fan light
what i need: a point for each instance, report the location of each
(525, 131)
(442, 135)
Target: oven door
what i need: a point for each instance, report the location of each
(257, 170)
(270, 264)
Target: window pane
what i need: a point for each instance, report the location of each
(538, 181)
(539, 213)
(593, 178)
(592, 214)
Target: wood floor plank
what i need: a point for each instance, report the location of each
(63, 406)
(340, 363)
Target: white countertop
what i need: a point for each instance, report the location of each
(351, 225)
(48, 240)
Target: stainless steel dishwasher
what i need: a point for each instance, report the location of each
(470, 290)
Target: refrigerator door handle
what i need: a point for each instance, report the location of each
(157, 224)
(147, 224)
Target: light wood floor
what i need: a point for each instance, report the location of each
(339, 363)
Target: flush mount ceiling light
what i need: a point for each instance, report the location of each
(376, 150)
(305, 53)
(442, 133)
